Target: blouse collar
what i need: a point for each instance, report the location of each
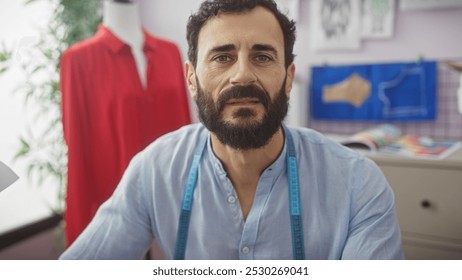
(116, 45)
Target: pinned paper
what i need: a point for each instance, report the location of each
(403, 91)
(354, 90)
(459, 96)
(458, 68)
(7, 176)
(377, 18)
(335, 25)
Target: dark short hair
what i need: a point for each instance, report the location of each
(211, 8)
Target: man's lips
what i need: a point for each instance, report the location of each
(243, 101)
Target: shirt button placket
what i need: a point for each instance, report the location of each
(231, 199)
(246, 252)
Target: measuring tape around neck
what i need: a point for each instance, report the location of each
(298, 248)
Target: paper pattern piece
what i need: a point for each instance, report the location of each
(377, 18)
(410, 80)
(7, 176)
(398, 91)
(335, 24)
(457, 67)
(354, 90)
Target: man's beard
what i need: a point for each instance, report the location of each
(245, 132)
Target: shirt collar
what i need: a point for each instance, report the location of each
(116, 45)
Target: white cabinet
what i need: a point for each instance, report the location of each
(428, 195)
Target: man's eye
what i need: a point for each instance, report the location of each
(222, 58)
(263, 58)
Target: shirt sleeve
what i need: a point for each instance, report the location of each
(76, 116)
(121, 228)
(374, 231)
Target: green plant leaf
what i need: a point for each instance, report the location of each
(27, 2)
(5, 55)
(24, 150)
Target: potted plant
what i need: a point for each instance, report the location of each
(44, 152)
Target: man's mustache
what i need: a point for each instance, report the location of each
(238, 92)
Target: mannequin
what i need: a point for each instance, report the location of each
(122, 18)
(121, 89)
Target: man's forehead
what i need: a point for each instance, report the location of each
(256, 26)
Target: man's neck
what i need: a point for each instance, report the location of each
(242, 165)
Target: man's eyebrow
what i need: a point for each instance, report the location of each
(231, 47)
(223, 48)
(265, 47)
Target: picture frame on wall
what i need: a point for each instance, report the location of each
(343, 24)
(413, 5)
(335, 25)
(377, 19)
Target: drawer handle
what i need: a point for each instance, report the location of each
(425, 204)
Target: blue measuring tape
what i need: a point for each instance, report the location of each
(186, 205)
(298, 247)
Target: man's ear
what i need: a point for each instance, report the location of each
(191, 81)
(290, 78)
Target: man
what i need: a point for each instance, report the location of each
(241, 185)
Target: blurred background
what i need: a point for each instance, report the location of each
(33, 35)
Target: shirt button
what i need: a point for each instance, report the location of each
(245, 250)
(231, 199)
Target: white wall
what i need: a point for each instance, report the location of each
(22, 202)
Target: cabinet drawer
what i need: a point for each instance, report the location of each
(424, 248)
(428, 201)
(415, 251)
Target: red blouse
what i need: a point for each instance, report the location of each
(108, 116)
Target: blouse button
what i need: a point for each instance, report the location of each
(231, 199)
(245, 250)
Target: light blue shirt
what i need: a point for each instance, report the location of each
(347, 206)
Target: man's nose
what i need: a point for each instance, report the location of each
(243, 73)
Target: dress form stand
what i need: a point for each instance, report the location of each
(123, 19)
(103, 98)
